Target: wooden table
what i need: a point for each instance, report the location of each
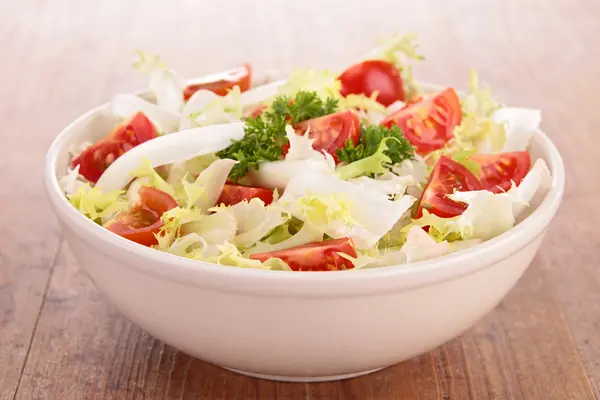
(60, 340)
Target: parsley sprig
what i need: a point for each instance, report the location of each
(370, 138)
(265, 135)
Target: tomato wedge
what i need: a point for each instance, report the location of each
(94, 160)
(320, 256)
(498, 171)
(446, 177)
(220, 83)
(373, 75)
(331, 131)
(141, 222)
(255, 111)
(429, 123)
(233, 194)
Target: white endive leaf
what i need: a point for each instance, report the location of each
(277, 174)
(520, 124)
(488, 214)
(387, 183)
(167, 87)
(306, 234)
(215, 230)
(532, 188)
(420, 246)
(71, 181)
(417, 168)
(206, 108)
(301, 146)
(199, 100)
(210, 183)
(373, 214)
(125, 105)
(182, 245)
(254, 221)
(261, 93)
(133, 195)
(168, 149)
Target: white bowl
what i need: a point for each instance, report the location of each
(297, 326)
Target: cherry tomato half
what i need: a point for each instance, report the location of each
(373, 75)
(233, 194)
(331, 131)
(94, 160)
(221, 82)
(446, 177)
(142, 221)
(498, 171)
(321, 256)
(429, 123)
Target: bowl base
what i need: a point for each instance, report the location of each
(303, 378)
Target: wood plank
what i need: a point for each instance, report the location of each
(83, 347)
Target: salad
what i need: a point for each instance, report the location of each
(322, 171)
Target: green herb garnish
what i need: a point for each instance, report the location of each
(370, 140)
(265, 135)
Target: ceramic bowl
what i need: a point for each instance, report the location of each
(297, 326)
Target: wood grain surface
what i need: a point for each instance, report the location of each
(60, 340)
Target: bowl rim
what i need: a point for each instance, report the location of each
(303, 283)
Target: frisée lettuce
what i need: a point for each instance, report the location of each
(296, 176)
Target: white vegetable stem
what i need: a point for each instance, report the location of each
(168, 149)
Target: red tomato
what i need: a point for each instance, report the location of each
(498, 171)
(233, 194)
(255, 111)
(94, 160)
(321, 256)
(220, 83)
(446, 177)
(137, 130)
(429, 123)
(331, 131)
(141, 222)
(373, 75)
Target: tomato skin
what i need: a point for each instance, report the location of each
(233, 194)
(257, 110)
(222, 82)
(429, 123)
(498, 170)
(137, 130)
(320, 256)
(446, 177)
(142, 221)
(373, 75)
(331, 131)
(94, 160)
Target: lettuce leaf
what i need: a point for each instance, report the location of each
(255, 221)
(207, 188)
(125, 105)
(166, 85)
(342, 208)
(96, 205)
(301, 146)
(377, 163)
(152, 178)
(71, 181)
(230, 255)
(323, 82)
(206, 108)
(520, 125)
(306, 234)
